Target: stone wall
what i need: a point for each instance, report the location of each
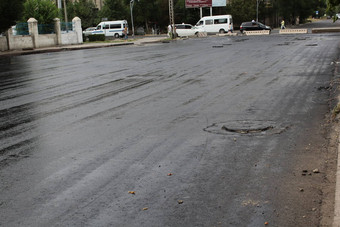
(35, 40)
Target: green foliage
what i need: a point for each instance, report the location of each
(10, 12)
(333, 7)
(183, 15)
(86, 10)
(42, 10)
(99, 37)
(115, 10)
(290, 10)
(334, 2)
(242, 10)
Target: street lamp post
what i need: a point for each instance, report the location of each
(59, 4)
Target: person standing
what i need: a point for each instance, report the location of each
(169, 31)
(125, 32)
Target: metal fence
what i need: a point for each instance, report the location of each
(46, 28)
(66, 27)
(20, 29)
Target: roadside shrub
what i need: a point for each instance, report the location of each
(93, 38)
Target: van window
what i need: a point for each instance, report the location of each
(208, 22)
(221, 21)
(115, 26)
(99, 27)
(106, 26)
(199, 23)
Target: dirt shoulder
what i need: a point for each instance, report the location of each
(329, 180)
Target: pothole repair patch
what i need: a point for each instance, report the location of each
(246, 127)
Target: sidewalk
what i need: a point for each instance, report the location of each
(138, 41)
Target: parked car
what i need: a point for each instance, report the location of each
(88, 31)
(253, 26)
(112, 28)
(185, 30)
(216, 24)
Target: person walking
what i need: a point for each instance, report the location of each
(283, 24)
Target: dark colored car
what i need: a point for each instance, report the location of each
(253, 26)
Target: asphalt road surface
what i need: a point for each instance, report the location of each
(217, 131)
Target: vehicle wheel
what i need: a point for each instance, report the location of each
(221, 31)
(117, 35)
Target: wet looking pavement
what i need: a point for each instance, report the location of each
(125, 136)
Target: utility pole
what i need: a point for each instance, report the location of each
(65, 11)
(257, 11)
(131, 9)
(172, 18)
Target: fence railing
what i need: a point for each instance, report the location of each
(20, 29)
(46, 28)
(66, 27)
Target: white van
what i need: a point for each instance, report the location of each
(111, 28)
(216, 24)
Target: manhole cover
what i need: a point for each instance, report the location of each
(246, 127)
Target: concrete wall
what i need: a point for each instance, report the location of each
(36, 40)
(3, 43)
(75, 36)
(21, 42)
(69, 38)
(47, 40)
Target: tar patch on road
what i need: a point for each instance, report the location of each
(246, 127)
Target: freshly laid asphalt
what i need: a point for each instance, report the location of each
(204, 158)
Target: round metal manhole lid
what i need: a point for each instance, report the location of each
(245, 127)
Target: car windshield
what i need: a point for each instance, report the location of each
(199, 23)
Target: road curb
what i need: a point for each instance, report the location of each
(325, 30)
(260, 32)
(76, 47)
(59, 49)
(293, 31)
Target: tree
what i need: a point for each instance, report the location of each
(10, 12)
(334, 2)
(86, 10)
(114, 10)
(242, 10)
(184, 15)
(333, 6)
(293, 9)
(42, 10)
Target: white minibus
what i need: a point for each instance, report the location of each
(111, 28)
(216, 24)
